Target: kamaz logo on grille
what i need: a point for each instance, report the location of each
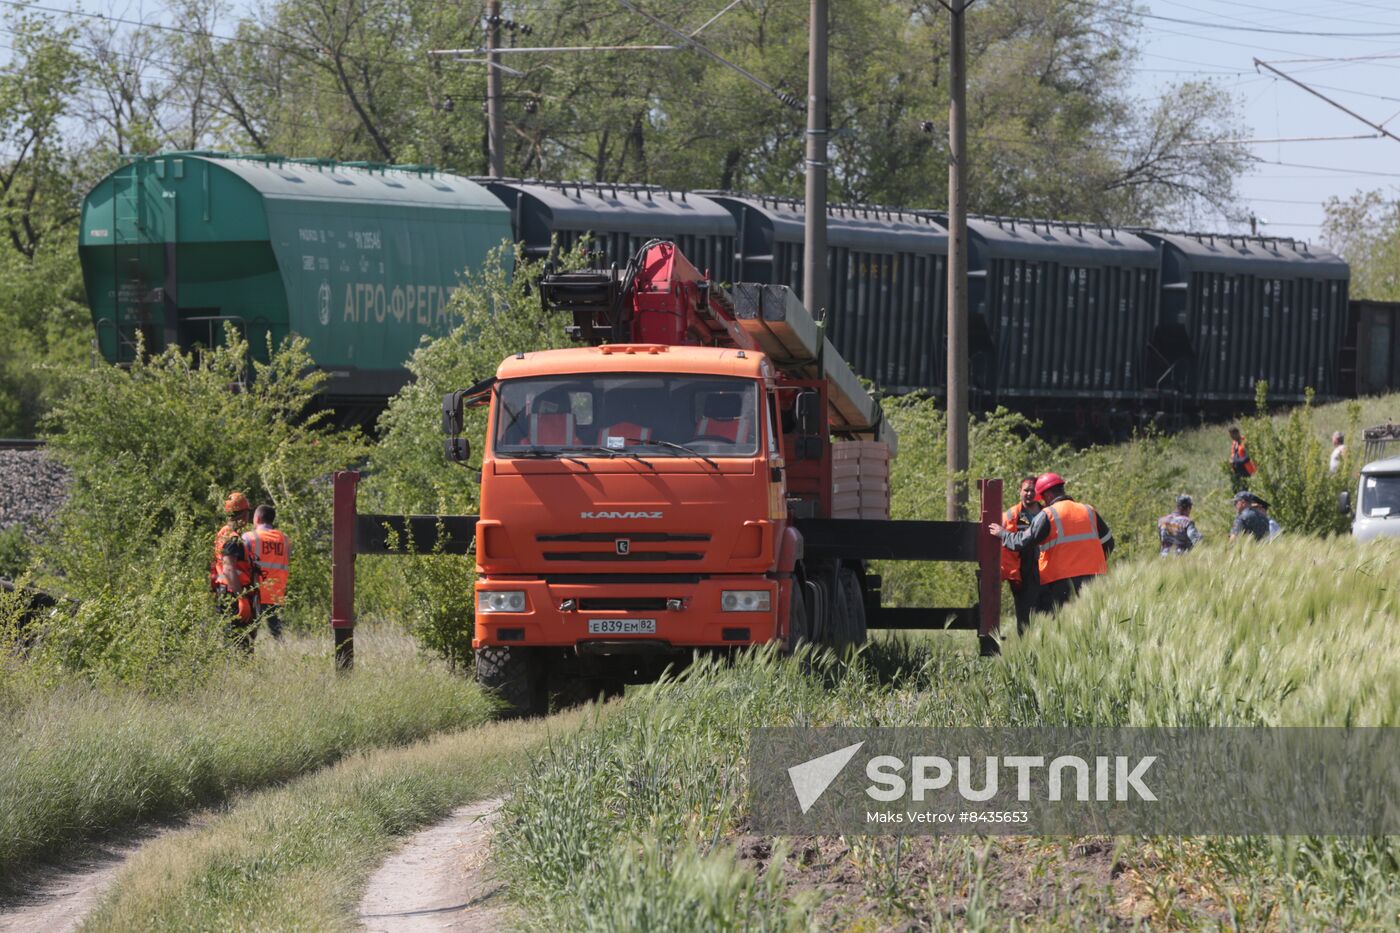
(619, 515)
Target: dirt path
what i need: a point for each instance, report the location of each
(438, 879)
(70, 892)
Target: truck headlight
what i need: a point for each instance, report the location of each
(746, 601)
(500, 601)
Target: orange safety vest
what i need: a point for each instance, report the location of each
(270, 552)
(1011, 560)
(246, 601)
(216, 565)
(1073, 548)
(1238, 452)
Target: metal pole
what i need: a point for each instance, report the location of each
(814, 276)
(957, 266)
(343, 486)
(989, 570)
(495, 138)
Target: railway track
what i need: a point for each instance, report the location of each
(20, 443)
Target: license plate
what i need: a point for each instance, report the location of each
(622, 626)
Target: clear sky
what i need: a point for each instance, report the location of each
(1220, 41)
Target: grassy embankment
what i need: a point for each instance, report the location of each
(641, 823)
(81, 762)
(295, 858)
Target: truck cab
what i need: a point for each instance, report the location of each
(1377, 512)
(635, 508)
(632, 499)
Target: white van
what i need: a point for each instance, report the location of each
(1377, 501)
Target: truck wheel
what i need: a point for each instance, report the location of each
(799, 620)
(514, 675)
(853, 632)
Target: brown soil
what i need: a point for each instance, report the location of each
(911, 883)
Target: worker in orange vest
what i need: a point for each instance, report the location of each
(1241, 465)
(237, 509)
(1021, 569)
(1074, 542)
(270, 552)
(235, 584)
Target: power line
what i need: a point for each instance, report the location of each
(1267, 29)
(1327, 168)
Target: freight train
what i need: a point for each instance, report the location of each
(1090, 328)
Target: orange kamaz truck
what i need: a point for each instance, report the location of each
(703, 472)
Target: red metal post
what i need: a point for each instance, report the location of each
(989, 563)
(343, 567)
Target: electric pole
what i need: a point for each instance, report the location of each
(495, 137)
(814, 277)
(957, 263)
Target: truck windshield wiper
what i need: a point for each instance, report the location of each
(689, 451)
(544, 453)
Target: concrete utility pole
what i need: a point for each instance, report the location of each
(814, 275)
(495, 136)
(957, 263)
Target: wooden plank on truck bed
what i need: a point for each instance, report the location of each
(777, 321)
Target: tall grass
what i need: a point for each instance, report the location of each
(295, 858)
(1298, 632)
(608, 830)
(81, 761)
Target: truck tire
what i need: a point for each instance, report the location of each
(853, 600)
(799, 620)
(514, 675)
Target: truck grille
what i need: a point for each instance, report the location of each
(642, 557)
(611, 554)
(647, 537)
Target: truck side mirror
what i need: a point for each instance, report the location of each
(458, 449)
(1344, 502)
(452, 412)
(809, 413)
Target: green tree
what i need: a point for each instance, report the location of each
(1054, 129)
(1365, 230)
(41, 312)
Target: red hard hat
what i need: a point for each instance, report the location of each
(235, 503)
(1048, 481)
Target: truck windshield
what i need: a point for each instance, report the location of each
(1380, 495)
(652, 415)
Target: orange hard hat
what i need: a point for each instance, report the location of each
(1048, 481)
(235, 503)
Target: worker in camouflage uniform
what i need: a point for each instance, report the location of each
(1178, 532)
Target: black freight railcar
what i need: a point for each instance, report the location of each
(1370, 361)
(1235, 310)
(888, 283)
(619, 219)
(1071, 308)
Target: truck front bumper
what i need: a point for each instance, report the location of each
(670, 612)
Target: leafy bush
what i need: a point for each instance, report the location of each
(15, 552)
(1293, 463)
(153, 450)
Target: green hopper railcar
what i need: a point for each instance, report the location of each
(358, 258)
